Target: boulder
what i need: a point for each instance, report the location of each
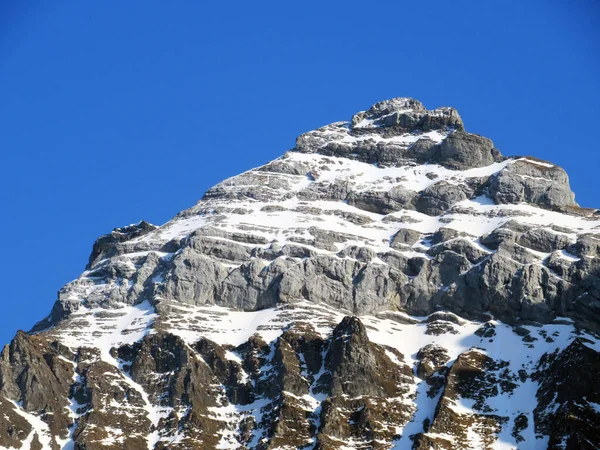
(461, 150)
(439, 197)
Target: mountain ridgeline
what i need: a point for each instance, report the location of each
(392, 282)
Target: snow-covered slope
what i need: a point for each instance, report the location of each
(391, 282)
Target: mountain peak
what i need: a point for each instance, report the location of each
(401, 132)
(391, 282)
(406, 113)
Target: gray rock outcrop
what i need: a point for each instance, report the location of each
(532, 181)
(461, 150)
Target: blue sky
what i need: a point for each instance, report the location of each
(113, 112)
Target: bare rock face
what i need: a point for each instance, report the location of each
(533, 181)
(405, 237)
(407, 113)
(106, 401)
(464, 150)
(568, 397)
(106, 246)
(439, 198)
(472, 379)
(366, 385)
(391, 282)
(432, 358)
(14, 428)
(37, 374)
(391, 164)
(375, 136)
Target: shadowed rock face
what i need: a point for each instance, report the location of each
(307, 389)
(569, 380)
(473, 377)
(37, 374)
(284, 309)
(105, 247)
(191, 384)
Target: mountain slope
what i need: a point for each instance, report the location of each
(391, 282)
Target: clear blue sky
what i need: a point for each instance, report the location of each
(112, 111)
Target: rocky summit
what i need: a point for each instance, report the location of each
(392, 282)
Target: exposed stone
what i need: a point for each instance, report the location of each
(105, 246)
(461, 150)
(382, 202)
(543, 240)
(431, 359)
(439, 197)
(37, 373)
(475, 377)
(405, 237)
(444, 234)
(152, 345)
(14, 429)
(568, 380)
(527, 181)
